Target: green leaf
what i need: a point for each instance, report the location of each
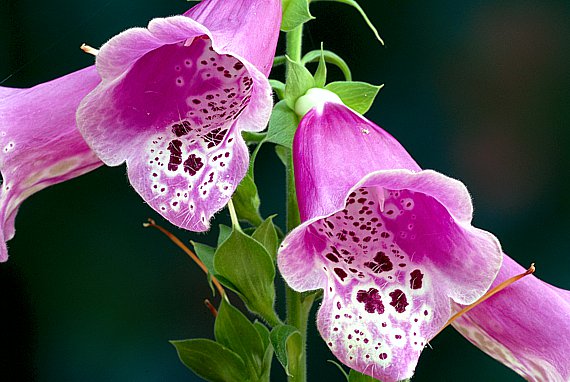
(268, 357)
(245, 263)
(266, 234)
(263, 332)
(204, 358)
(299, 81)
(330, 58)
(251, 138)
(321, 73)
(278, 87)
(283, 154)
(225, 232)
(233, 330)
(282, 125)
(288, 345)
(359, 96)
(354, 4)
(295, 13)
(206, 254)
(246, 201)
(355, 376)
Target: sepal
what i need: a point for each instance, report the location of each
(282, 125)
(295, 13)
(357, 95)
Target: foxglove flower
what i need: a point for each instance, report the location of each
(174, 99)
(389, 243)
(526, 326)
(39, 142)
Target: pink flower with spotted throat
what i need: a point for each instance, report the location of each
(174, 99)
(390, 244)
(40, 143)
(526, 326)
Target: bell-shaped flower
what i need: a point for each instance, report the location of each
(174, 99)
(526, 326)
(39, 142)
(390, 244)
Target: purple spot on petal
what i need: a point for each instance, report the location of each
(193, 164)
(340, 273)
(175, 155)
(371, 299)
(416, 279)
(399, 300)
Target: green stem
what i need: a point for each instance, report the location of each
(298, 307)
(295, 43)
(233, 216)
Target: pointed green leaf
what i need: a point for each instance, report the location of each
(355, 376)
(204, 358)
(224, 233)
(246, 201)
(251, 137)
(263, 332)
(282, 125)
(233, 330)
(278, 87)
(330, 58)
(288, 345)
(206, 254)
(300, 80)
(282, 153)
(266, 234)
(359, 96)
(321, 73)
(355, 5)
(295, 13)
(245, 263)
(268, 357)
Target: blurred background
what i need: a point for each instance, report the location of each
(479, 90)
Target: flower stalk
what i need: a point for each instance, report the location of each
(298, 308)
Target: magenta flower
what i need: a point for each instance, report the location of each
(174, 99)
(389, 243)
(39, 142)
(526, 326)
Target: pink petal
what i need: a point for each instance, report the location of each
(389, 249)
(525, 326)
(174, 100)
(235, 24)
(339, 148)
(40, 142)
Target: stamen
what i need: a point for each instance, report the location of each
(89, 50)
(211, 308)
(180, 244)
(487, 295)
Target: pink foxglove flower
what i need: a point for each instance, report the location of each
(39, 142)
(526, 326)
(390, 244)
(175, 98)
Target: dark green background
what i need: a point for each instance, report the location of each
(478, 90)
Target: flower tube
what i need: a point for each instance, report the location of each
(390, 244)
(526, 326)
(39, 142)
(174, 99)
